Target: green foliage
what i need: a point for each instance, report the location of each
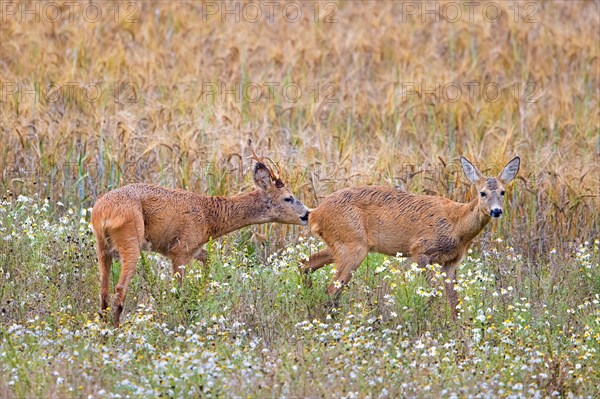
(154, 123)
(243, 324)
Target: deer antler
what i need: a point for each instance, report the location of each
(261, 159)
(257, 158)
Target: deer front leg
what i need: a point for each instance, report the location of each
(348, 258)
(450, 271)
(202, 256)
(315, 262)
(422, 261)
(179, 262)
(180, 259)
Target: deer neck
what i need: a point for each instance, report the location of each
(473, 221)
(228, 214)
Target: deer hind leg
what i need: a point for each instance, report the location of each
(128, 240)
(104, 266)
(347, 259)
(129, 253)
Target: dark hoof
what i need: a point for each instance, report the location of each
(306, 280)
(117, 314)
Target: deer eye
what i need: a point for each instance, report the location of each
(502, 192)
(289, 199)
(483, 194)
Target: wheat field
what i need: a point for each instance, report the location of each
(95, 95)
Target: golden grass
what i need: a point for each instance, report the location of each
(172, 133)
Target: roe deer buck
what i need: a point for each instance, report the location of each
(429, 229)
(177, 223)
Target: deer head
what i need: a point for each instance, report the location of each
(279, 202)
(491, 189)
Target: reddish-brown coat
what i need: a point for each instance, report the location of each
(177, 223)
(358, 220)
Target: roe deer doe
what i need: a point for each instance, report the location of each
(428, 229)
(177, 223)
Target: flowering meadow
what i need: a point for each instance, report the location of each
(245, 325)
(95, 95)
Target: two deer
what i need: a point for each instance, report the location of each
(352, 221)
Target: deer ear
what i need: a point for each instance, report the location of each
(472, 173)
(262, 176)
(510, 170)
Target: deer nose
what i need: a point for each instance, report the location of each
(304, 218)
(496, 212)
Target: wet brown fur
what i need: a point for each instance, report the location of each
(429, 229)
